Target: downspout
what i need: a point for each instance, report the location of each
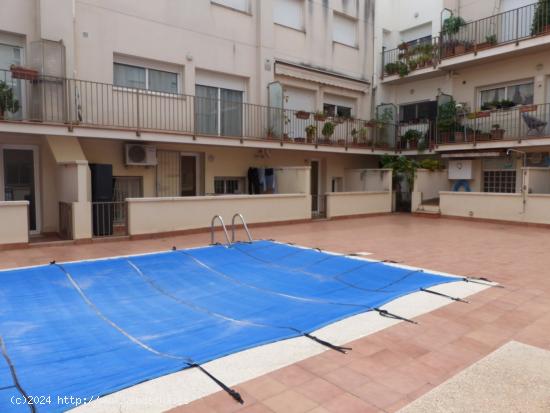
(75, 40)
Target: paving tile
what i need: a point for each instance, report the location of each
(347, 403)
(263, 387)
(379, 395)
(292, 375)
(346, 378)
(319, 390)
(290, 401)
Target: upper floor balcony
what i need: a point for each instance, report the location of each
(519, 126)
(52, 105)
(462, 43)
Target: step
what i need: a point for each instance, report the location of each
(429, 208)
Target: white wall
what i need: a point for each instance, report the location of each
(15, 223)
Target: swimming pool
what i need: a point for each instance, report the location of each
(89, 328)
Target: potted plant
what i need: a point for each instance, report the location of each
(496, 132)
(311, 131)
(327, 131)
(403, 46)
(270, 133)
(402, 69)
(411, 138)
(8, 101)
(446, 121)
(541, 18)
(20, 72)
(390, 68)
(338, 120)
(320, 116)
(506, 104)
(413, 64)
(452, 25)
(302, 114)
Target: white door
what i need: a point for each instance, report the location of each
(19, 179)
(294, 100)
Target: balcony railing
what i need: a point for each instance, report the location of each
(516, 123)
(502, 28)
(508, 27)
(72, 102)
(407, 58)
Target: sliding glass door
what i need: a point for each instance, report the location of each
(218, 111)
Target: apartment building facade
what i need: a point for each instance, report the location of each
(180, 99)
(474, 76)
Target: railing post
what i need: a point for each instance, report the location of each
(475, 37)
(383, 61)
(138, 133)
(517, 27)
(475, 129)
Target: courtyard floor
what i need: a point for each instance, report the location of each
(387, 370)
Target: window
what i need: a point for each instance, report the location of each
(519, 93)
(337, 110)
(289, 13)
(228, 185)
(218, 111)
(241, 5)
(499, 181)
(344, 30)
(145, 78)
(416, 111)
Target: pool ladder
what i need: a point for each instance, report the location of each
(219, 218)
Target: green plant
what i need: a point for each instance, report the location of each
(446, 117)
(431, 164)
(402, 167)
(391, 68)
(8, 101)
(311, 130)
(402, 69)
(492, 39)
(412, 135)
(495, 126)
(412, 64)
(403, 46)
(328, 130)
(541, 17)
(452, 25)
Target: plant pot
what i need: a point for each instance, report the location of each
(445, 137)
(497, 134)
(460, 49)
(484, 114)
(483, 136)
(326, 141)
(310, 138)
(301, 114)
(484, 45)
(320, 118)
(19, 72)
(299, 140)
(543, 30)
(341, 142)
(459, 137)
(338, 120)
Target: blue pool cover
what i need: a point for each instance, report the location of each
(90, 328)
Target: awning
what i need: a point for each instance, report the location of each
(321, 76)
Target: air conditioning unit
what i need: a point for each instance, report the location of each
(143, 155)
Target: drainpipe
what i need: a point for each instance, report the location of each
(523, 188)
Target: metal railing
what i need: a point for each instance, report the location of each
(109, 219)
(407, 58)
(422, 138)
(516, 123)
(74, 102)
(502, 28)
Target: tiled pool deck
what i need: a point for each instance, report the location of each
(386, 370)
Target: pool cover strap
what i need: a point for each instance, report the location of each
(233, 393)
(476, 280)
(386, 313)
(16, 383)
(445, 295)
(327, 344)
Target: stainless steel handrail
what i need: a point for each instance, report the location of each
(223, 227)
(244, 225)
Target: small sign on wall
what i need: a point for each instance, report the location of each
(460, 169)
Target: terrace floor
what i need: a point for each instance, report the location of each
(386, 370)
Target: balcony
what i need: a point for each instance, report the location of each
(408, 61)
(35, 100)
(526, 125)
(507, 32)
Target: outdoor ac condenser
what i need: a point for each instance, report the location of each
(138, 154)
(460, 169)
